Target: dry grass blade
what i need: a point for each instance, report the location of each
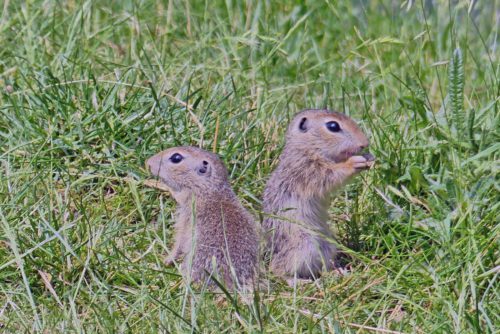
(152, 183)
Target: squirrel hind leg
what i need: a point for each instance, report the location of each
(304, 258)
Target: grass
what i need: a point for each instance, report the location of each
(89, 90)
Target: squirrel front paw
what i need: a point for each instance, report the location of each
(169, 261)
(175, 257)
(359, 163)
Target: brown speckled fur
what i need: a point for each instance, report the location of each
(314, 163)
(224, 232)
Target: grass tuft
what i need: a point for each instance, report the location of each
(456, 92)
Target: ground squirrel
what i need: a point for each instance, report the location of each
(322, 152)
(213, 232)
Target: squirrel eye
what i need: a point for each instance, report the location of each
(176, 158)
(333, 126)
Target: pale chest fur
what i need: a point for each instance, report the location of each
(308, 212)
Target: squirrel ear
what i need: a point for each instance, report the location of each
(154, 164)
(303, 126)
(204, 169)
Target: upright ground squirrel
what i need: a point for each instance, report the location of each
(321, 153)
(214, 233)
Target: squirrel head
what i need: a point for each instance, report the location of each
(188, 169)
(324, 134)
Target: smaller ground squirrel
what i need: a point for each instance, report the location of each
(213, 231)
(321, 154)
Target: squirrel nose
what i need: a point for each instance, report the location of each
(364, 145)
